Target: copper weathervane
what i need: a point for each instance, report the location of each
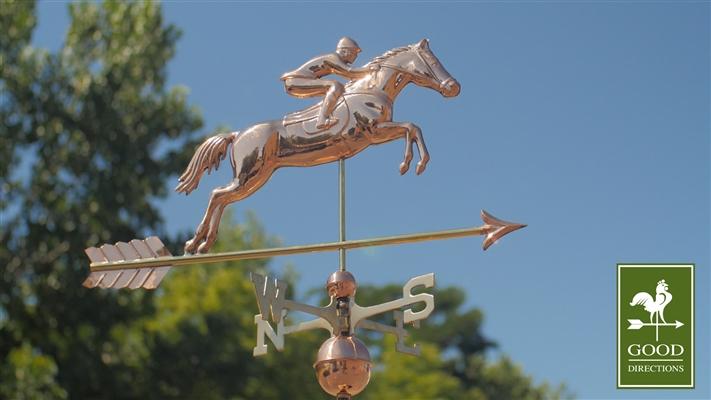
(349, 118)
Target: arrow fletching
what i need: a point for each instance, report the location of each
(635, 324)
(147, 278)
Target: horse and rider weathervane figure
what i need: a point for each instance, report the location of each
(363, 115)
(348, 119)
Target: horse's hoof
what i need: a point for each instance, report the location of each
(420, 167)
(404, 167)
(190, 246)
(203, 248)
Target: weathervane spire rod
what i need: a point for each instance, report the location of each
(342, 212)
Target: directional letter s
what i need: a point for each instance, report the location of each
(428, 299)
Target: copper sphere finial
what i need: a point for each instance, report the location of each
(343, 366)
(341, 284)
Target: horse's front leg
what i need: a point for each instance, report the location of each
(387, 131)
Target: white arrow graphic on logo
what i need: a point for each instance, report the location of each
(638, 324)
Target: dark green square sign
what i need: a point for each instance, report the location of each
(655, 326)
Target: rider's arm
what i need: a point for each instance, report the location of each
(338, 67)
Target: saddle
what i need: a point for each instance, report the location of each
(307, 118)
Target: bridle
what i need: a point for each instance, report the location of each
(417, 74)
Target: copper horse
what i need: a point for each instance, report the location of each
(364, 118)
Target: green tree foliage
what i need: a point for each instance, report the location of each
(27, 375)
(88, 127)
(86, 121)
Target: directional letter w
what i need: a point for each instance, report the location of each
(270, 296)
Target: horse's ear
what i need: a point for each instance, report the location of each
(424, 43)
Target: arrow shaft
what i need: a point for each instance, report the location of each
(652, 324)
(282, 251)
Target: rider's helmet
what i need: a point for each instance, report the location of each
(348, 43)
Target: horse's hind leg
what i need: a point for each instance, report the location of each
(202, 229)
(225, 195)
(253, 162)
(214, 209)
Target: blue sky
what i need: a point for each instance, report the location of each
(589, 121)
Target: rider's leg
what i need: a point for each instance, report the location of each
(329, 103)
(304, 88)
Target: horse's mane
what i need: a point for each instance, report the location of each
(379, 59)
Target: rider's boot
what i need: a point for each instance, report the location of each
(325, 123)
(325, 118)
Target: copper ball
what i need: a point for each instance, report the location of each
(341, 284)
(343, 366)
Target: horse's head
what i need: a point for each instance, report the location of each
(423, 68)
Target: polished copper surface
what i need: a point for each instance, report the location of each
(361, 116)
(342, 347)
(496, 228)
(341, 284)
(308, 80)
(343, 366)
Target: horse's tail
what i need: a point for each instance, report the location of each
(207, 157)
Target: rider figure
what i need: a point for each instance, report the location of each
(306, 81)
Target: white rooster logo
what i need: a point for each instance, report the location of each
(654, 306)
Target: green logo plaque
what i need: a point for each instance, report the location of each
(655, 325)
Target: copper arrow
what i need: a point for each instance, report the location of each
(493, 229)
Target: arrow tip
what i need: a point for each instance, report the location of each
(497, 228)
(678, 324)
